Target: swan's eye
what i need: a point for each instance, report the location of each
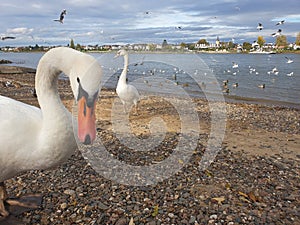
(78, 80)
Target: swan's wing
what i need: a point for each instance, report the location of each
(132, 93)
(133, 90)
(19, 123)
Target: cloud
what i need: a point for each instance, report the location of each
(20, 30)
(102, 22)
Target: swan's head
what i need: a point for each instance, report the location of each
(121, 52)
(85, 80)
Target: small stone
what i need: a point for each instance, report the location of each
(63, 205)
(171, 215)
(151, 223)
(121, 221)
(192, 220)
(213, 217)
(69, 192)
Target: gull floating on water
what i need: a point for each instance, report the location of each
(288, 60)
(62, 16)
(262, 86)
(235, 65)
(290, 74)
(274, 70)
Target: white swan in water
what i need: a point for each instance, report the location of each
(127, 93)
(33, 138)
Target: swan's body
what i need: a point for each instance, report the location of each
(127, 93)
(42, 138)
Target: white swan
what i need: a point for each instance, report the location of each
(33, 138)
(127, 93)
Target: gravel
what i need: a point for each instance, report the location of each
(237, 188)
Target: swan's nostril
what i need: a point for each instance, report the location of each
(87, 140)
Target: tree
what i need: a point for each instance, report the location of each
(36, 47)
(78, 47)
(247, 46)
(191, 46)
(183, 45)
(72, 45)
(151, 47)
(231, 45)
(202, 41)
(261, 41)
(281, 41)
(297, 42)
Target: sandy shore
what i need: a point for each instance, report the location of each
(253, 180)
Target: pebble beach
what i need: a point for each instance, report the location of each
(254, 179)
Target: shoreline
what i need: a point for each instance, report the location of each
(169, 52)
(254, 178)
(22, 85)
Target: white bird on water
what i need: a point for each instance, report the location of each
(289, 60)
(127, 93)
(235, 65)
(275, 70)
(41, 138)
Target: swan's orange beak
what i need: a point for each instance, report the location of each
(86, 121)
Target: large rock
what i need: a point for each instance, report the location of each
(4, 61)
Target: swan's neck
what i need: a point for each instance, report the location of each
(55, 116)
(46, 83)
(122, 79)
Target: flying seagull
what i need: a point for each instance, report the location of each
(7, 37)
(278, 33)
(61, 17)
(259, 27)
(280, 22)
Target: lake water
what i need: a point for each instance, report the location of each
(201, 75)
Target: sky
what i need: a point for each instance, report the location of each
(90, 22)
